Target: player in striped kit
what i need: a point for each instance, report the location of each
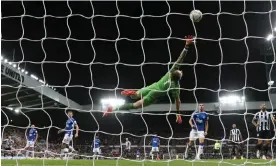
(8, 146)
(96, 147)
(199, 124)
(262, 121)
(127, 148)
(235, 139)
(31, 140)
(71, 123)
(155, 147)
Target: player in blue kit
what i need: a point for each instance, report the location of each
(96, 147)
(138, 155)
(71, 123)
(155, 147)
(31, 140)
(199, 125)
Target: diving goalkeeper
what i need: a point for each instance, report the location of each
(150, 94)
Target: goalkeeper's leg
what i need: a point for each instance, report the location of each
(144, 102)
(140, 93)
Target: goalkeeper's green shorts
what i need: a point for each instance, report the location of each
(150, 94)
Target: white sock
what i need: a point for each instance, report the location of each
(200, 150)
(27, 153)
(32, 154)
(187, 149)
(152, 155)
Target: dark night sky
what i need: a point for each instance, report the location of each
(83, 68)
(86, 66)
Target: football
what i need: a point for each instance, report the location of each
(196, 15)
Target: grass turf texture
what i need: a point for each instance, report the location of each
(33, 162)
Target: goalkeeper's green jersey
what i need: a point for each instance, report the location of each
(167, 84)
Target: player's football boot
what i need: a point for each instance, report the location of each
(264, 158)
(109, 109)
(242, 158)
(197, 157)
(128, 92)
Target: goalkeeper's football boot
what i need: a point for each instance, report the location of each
(128, 92)
(109, 109)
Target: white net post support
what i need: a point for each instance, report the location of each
(141, 68)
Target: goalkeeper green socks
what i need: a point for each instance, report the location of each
(126, 106)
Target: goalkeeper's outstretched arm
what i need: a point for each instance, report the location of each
(176, 74)
(183, 54)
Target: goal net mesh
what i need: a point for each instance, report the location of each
(91, 50)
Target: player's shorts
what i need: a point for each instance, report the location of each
(67, 138)
(154, 149)
(96, 150)
(264, 134)
(30, 144)
(8, 148)
(150, 94)
(194, 134)
(235, 146)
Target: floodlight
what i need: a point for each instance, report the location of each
(1, 57)
(112, 102)
(10, 63)
(22, 70)
(10, 108)
(34, 77)
(275, 29)
(17, 110)
(14, 65)
(269, 37)
(232, 99)
(5, 61)
(243, 98)
(42, 81)
(26, 72)
(270, 83)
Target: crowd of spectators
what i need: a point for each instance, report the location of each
(112, 146)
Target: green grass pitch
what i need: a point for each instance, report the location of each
(33, 162)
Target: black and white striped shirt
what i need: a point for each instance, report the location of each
(128, 145)
(263, 118)
(235, 135)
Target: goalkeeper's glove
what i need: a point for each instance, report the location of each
(178, 119)
(189, 40)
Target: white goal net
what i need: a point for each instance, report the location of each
(65, 57)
